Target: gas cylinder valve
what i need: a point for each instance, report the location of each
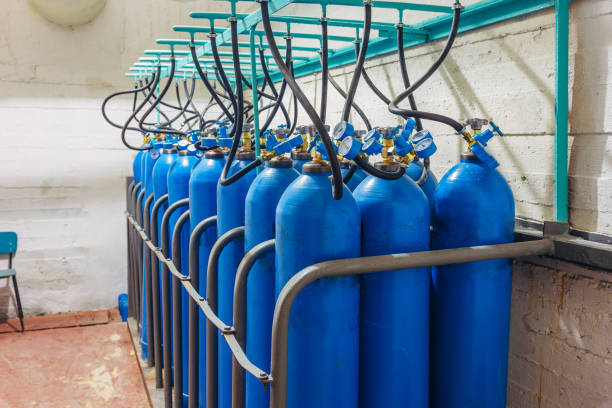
(274, 148)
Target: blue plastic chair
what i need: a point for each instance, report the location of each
(8, 245)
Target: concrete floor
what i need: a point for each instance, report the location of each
(74, 367)
(156, 394)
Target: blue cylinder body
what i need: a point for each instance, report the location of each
(230, 212)
(394, 320)
(203, 204)
(260, 212)
(356, 178)
(414, 171)
(160, 187)
(470, 306)
(323, 355)
(137, 166)
(149, 159)
(178, 188)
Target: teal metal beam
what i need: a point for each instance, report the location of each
(561, 109)
(344, 23)
(165, 52)
(475, 16)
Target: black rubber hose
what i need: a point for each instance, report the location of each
(349, 173)
(367, 23)
(369, 81)
(364, 164)
(268, 79)
(359, 111)
(161, 113)
(281, 93)
(324, 68)
(404, 71)
(225, 84)
(182, 110)
(127, 92)
(158, 98)
(295, 108)
(239, 117)
(133, 115)
(337, 185)
(164, 103)
(405, 113)
(204, 78)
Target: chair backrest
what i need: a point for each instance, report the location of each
(8, 242)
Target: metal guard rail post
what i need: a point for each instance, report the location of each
(148, 283)
(157, 338)
(194, 334)
(177, 311)
(213, 320)
(166, 263)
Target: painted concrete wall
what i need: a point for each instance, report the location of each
(560, 336)
(63, 167)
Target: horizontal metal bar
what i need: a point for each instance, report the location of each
(165, 52)
(367, 265)
(381, 4)
(474, 16)
(345, 23)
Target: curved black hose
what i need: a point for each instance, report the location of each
(369, 81)
(359, 111)
(349, 173)
(127, 92)
(367, 23)
(324, 68)
(337, 185)
(239, 117)
(158, 98)
(405, 113)
(281, 93)
(225, 84)
(268, 80)
(404, 71)
(295, 108)
(364, 164)
(204, 78)
(134, 113)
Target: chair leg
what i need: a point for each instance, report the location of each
(19, 309)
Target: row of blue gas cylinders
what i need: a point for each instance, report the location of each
(424, 337)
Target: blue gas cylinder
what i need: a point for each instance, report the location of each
(356, 178)
(312, 227)
(203, 204)
(415, 170)
(394, 321)
(470, 305)
(178, 188)
(137, 166)
(160, 187)
(230, 212)
(260, 211)
(299, 159)
(148, 162)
